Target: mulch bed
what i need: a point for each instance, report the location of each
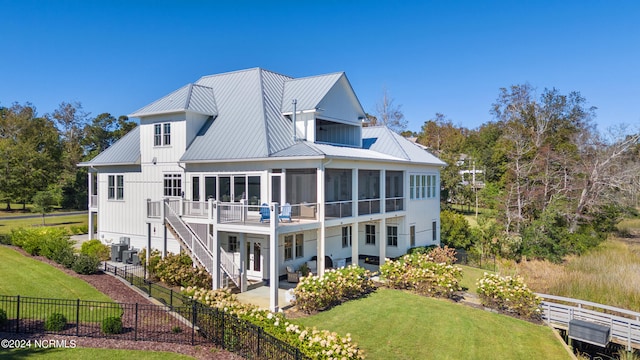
(119, 291)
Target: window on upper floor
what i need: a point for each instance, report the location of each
(172, 184)
(115, 187)
(162, 134)
(422, 187)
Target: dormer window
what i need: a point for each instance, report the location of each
(162, 134)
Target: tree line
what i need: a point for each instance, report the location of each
(39, 153)
(556, 182)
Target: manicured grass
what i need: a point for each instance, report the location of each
(24, 276)
(391, 324)
(6, 224)
(470, 276)
(89, 353)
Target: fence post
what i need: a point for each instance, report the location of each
(149, 288)
(297, 354)
(224, 343)
(193, 323)
(259, 336)
(77, 317)
(171, 299)
(135, 328)
(18, 316)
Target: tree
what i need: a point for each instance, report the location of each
(44, 202)
(389, 114)
(454, 229)
(29, 153)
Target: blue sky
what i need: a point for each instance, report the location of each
(431, 56)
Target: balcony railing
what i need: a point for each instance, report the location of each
(198, 209)
(338, 209)
(394, 204)
(154, 209)
(368, 206)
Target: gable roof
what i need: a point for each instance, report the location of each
(308, 91)
(191, 97)
(125, 151)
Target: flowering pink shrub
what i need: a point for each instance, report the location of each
(418, 272)
(314, 343)
(509, 295)
(315, 293)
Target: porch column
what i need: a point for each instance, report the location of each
(355, 236)
(90, 200)
(242, 239)
(148, 252)
(383, 240)
(383, 222)
(216, 274)
(321, 245)
(163, 210)
(274, 280)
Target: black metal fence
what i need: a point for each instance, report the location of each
(182, 320)
(227, 331)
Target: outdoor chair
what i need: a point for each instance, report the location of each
(286, 212)
(265, 213)
(293, 276)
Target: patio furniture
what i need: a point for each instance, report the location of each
(117, 250)
(313, 266)
(328, 263)
(265, 212)
(293, 276)
(127, 255)
(286, 212)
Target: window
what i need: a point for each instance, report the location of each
(422, 187)
(167, 134)
(157, 135)
(233, 244)
(346, 236)
(195, 188)
(412, 236)
(116, 187)
(392, 235)
(172, 185)
(288, 247)
(162, 134)
(299, 245)
(370, 234)
(434, 232)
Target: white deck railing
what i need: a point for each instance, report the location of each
(558, 311)
(93, 201)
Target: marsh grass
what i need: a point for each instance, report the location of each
(609, 274)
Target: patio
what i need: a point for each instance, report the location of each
(260, 296)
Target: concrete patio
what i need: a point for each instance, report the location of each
(260, 296)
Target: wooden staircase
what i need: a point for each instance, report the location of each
(199, 251)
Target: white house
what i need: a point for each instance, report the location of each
(211, 161)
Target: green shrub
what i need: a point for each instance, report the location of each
(454, 230)
(176, 329)
(509, 295)
(178, 270)
(3, 317)
(86, 264)
(421, 249)
(66, 258)
(5, 239)
(112, 325)
(419, 272)
(48, 242)
(336, 286)
(55, 322)
(95, 248)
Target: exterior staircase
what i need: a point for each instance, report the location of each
(200, 252)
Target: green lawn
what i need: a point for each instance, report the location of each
(391, 324)
(7, 223)
(471, 275)
(24, 276)
(89, 353)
